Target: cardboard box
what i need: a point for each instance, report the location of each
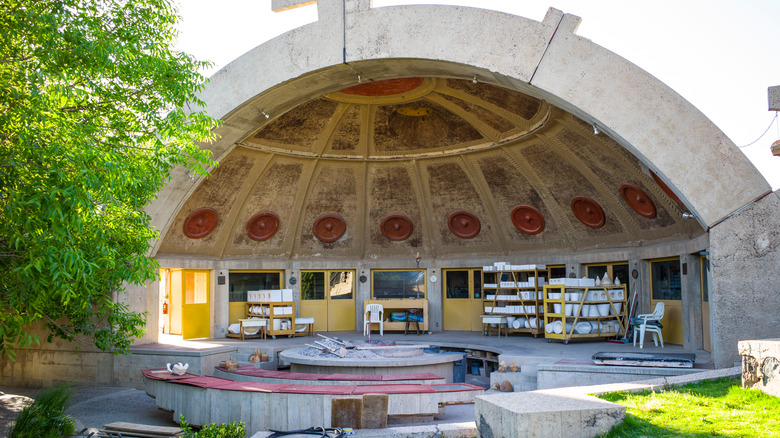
(287, 295)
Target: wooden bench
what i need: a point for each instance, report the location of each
(262, 406)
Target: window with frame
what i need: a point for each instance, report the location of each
(242, 281)
(398, 284)
(613, 269)
(665, 279)
(337, 285)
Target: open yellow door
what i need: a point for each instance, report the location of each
(462, 303)
(196, 318)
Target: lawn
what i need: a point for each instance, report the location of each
(706, 409)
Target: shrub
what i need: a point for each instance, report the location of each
(45, 416)
(228, 430)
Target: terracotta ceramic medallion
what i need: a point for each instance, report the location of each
(463, 224)
(200, 223)
(528, 219)
(665, 188)
(588, 211)
(397, 227)
(329, 227)
(638, 200)
(262, 226)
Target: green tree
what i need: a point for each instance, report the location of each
(94, 113)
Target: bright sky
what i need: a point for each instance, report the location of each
(721, 55)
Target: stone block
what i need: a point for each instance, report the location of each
(346, 412)
(548, 415)
(375, 411)
(761, 365)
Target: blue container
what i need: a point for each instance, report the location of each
(431, 349)
(475, 366)
(459, 370)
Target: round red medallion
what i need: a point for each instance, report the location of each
(665, 188)
(588, 211)
(397, 227)
(387, 87)
(329, 227)
(463, 224)
(638, 200)
(262, 226)
(200, 223)
(528, 219)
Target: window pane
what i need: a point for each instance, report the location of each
(341, 285)
(240, 282)
(196, 284)
(477, 285)
(666, 280)
(705, 287)
(557, 271)
(597, 271)
(398, 284)
(457, 284)
(313, 285)
(620, 272)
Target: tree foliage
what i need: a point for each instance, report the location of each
(94, 113)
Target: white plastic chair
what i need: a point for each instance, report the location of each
(374, 314)
(643, 326)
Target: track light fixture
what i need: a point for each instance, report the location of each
(688, 215)
(263, 113)
(475, 79)
(596, 130)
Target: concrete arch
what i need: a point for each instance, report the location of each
(544, 59)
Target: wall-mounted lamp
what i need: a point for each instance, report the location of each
(264, 114)
(688, 216)
(475, 79)
(359, 78)
(189, 174)
(596, 130)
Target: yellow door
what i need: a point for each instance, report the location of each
(462, 301)
(195, 318)
(329, 297)
(705, 304)
(666, 287)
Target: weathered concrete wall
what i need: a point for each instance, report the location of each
(745, 289)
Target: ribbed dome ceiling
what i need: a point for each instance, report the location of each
(441, 166)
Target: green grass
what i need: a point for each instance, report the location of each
(719, 408)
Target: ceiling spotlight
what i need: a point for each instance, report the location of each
(266, 115)
(474, 80)
(358, 78)
(596, 130)
(688, 215)
(189, 174)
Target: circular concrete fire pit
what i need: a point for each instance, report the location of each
(364, 359)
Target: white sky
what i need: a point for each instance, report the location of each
(721, 55)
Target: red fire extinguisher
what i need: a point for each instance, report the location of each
(165, 307)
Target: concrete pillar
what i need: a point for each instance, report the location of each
(434, 295)
(220, 302)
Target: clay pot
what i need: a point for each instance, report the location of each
(514, 368)
(506, 387)
(502, 367)
(264, 357)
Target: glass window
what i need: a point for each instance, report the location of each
(398, 284)
(619, 270)
(665, 279)
(196, 287)
(240, 282)
(457, 284)
(312, 285)
(342, 283)
(557, 271)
